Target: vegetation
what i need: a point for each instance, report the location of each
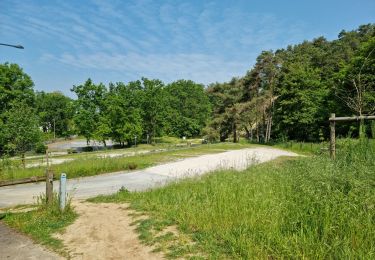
(290, 93)
(89, 165)
(287, 95)
(310, 207)
(41, 223)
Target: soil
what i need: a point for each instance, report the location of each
(104, 231)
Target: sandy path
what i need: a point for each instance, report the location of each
(104, 231)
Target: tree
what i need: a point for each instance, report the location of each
(358, 78)
(15, 86)
(88, 107)
(55, 112)
(188, 108)
(123, 111)
(224, 98)
(21, 129)
(153, 107)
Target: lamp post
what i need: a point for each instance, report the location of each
(14, 46)
(135, 140)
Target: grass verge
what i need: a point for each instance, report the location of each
(309, 207)
(40, 224)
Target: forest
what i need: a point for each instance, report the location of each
(288, 94)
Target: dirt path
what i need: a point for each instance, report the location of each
(14, 246)
(104, 231)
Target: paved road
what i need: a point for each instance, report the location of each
(14, 246)
(144, 179)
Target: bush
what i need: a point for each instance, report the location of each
(40, 148)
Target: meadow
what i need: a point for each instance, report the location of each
(310, 207)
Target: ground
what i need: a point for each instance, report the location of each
(16, 246)
(104, 231)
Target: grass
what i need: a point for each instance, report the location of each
(92, 165)
(42, 223)
(310, 207)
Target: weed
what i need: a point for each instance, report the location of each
(310, 207)
(43, 222)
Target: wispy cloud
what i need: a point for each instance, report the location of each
(205, 42)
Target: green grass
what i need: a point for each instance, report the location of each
(91, 165)
(303, 147)
(42, 223)
(310, 207)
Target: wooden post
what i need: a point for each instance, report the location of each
(49, 187)
(332, 145)
(49, 182)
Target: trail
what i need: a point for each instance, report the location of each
(104, 231)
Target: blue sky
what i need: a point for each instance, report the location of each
(206, 41)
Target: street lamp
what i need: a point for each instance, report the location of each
(14, 46)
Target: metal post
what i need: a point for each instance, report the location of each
(332, 146)
(62, 195)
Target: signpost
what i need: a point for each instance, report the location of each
(62, 195)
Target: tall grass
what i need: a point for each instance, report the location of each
(309, 207)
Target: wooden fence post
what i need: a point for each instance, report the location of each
(49, 186)
(332, 146)
(49, 182)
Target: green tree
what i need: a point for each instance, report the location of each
(55, 112)
(224, 98)
(188, 108)
(154, 104)
(21, 130)
(358, 82)
(123, 111)
(15, 86)
(88, 107)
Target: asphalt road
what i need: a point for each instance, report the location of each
(14, 246)
(152, 177)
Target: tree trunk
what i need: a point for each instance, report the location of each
(234, 133)
(23, 160)
(362, 129)
(247, 133)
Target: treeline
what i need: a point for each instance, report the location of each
(287, 95)
(119, 112)
(290, 93)
(141, 109)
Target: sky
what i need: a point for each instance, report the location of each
(68, 41)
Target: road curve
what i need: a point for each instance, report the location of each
(82, 188)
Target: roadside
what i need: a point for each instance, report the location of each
(151, 177)
(19, 247)
(94, 163)
(103, 231)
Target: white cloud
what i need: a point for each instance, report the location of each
(198, 67)
(202, 42)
